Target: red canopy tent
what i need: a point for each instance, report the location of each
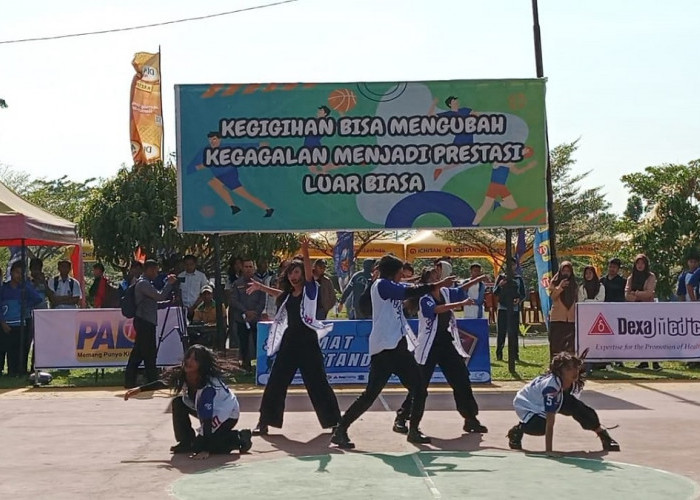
(24, 224)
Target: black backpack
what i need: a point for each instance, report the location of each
(364, 304)
(128, 302)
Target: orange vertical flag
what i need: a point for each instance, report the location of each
(146, 116)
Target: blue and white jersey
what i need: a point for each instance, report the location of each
(214, 402)
(388, 321)
(428, 323)
(541, 396)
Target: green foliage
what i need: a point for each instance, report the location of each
(671, 228)
(61, 196)
(635, 208)
(138, 208)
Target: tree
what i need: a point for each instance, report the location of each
(138, 208)
(16, 180)
(62, 196)
(3, 104)
(671, 227)
(634, 209)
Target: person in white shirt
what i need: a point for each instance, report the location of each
(591, 290)
(191, 283)
(538, 403)
(391, 346)
(476, 293)
(64, 292)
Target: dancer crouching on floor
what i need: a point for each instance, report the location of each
(538, 403)
(439, 344)
(391, 343)
(294, 339)
(204, 395)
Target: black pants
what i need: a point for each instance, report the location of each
(144, 350)
(503, 328)
(247, 341)
(457, 375)
(398, 361)
(305, 355)
(572, 407)
(562, 337)
(224, 440)
(9, 348)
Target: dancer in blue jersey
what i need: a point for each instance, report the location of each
(439, 343)
(391, 346)
(538, 403)
(226, 179)
(497, 190)
(203, 394)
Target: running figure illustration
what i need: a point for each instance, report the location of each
(497, 191)
(452, 103)
(226, 179)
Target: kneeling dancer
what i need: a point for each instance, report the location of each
(538, 403)
(439, 344)
(391, 343)
(204, 395)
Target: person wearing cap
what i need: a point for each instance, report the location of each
(206, 311)
(64, 291)
(476, 293)
(326, 296)
(614, 283)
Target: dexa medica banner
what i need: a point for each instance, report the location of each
(344, 156)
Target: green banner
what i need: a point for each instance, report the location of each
(343, 156)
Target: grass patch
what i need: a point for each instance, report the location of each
(534, 360)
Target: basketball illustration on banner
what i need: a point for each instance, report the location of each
(342, 100)
(528, 152)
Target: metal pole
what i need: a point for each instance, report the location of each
(22, 311)
(550, 192)
(511, 331)
(218, 295)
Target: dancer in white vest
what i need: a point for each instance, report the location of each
(204, 395)
(294, 340)
(391, 343)
(439, 344)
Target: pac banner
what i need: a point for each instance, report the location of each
(84, 338)
(658, 331)
(346, 352)
(351, 156)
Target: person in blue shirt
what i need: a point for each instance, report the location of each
(391, 346)
(12, 294)
(691, 279)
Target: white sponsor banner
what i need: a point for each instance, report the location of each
(98, 338)
(646, 331)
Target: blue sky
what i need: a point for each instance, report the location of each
(623, 75)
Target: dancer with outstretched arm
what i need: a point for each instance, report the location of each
(203, 394)
(391, 343)
(439, 344)
(294, 340)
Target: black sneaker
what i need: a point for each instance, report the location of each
(182, 448)
(642, 366)
(515, 438)
(400, 426)
(417, 437)
(341, 439)
(260, 430)
(269, 212)
(473, 425)
(235, 209)
(656, 367)
(609, 444)
(245, 435)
